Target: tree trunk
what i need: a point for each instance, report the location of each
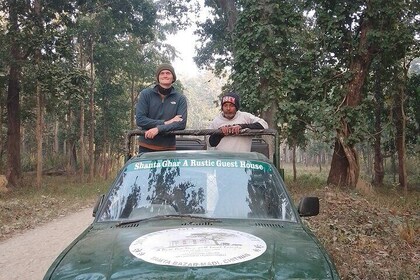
(345, 164)
(12, 104)
(133, 112)
(65, 147)
(294, 162)
(393, 167)
(368, 160)
(39, 136)
(344, 169)
(133, 104)
(269, 116)
(107, 160)
(55, 147)
(39, 100)
(92, 117)
(82, 64)
(378, 165)
(105, 153)
(82, 142)
(71, 157)
(400, 124)
(320, 162)
(97, 159)
(1, 131)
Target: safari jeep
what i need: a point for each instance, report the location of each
(195, 213)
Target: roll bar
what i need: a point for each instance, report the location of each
(208, 132)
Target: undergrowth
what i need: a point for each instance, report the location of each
(371, 233)
(25, 207)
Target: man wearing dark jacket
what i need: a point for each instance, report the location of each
(161, 109)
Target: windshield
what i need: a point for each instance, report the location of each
(213, 188)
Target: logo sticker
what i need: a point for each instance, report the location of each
(197, 247)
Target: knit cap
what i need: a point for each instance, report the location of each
(165, 66)
(233, 98)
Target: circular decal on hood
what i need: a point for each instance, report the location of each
(197, 247)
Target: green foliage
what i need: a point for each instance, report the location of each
(307, 181)
(113, 118)
(298, 57)
(263, 48)
(390, 35)
(140, 61)
(88, 49)
(293, 56)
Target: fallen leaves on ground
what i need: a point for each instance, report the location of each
(18, 215)
(366, 240)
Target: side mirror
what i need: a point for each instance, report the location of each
(308, 206)
(97, 204)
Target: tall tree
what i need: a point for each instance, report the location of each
(378, 164)
(65, 39)
(271, 47)
(38, 93)
(27, 22)
(102, 23)
(13, 95)
(355, 31)
(3, 82)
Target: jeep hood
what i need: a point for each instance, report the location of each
(226, 251)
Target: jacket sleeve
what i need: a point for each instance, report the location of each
(215, 139)
(256, 125)
(182, 110)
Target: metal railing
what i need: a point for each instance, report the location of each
(207, 132)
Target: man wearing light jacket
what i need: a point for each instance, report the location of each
(230, 121)
(161, 109)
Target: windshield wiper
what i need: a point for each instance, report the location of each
(162, 217)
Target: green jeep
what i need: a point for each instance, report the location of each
(197, 214)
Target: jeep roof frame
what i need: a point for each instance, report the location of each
(207, 132)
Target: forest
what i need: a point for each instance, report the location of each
(338, 80)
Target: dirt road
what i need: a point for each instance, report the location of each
(29, 255)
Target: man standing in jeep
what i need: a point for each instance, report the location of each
(161, 109)
(230, 121)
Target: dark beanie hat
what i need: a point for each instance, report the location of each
(233, 98)
(165, 66)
